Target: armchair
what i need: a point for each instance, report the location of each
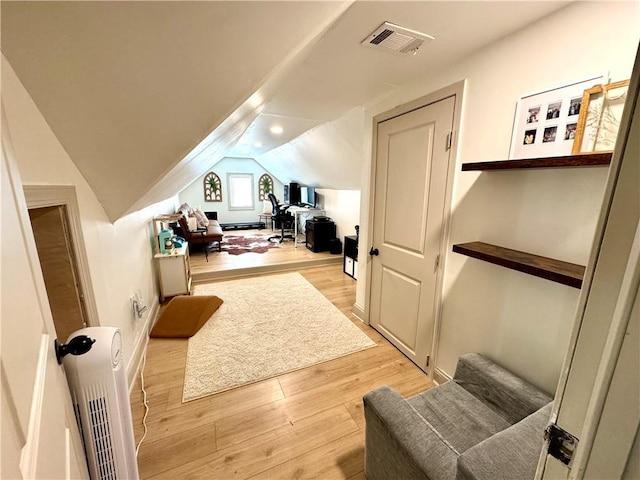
(282, 219)
(485, 424)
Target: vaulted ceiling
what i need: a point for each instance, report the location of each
(145, 96)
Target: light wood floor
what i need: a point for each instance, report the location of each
(305, 424)
(285, 257)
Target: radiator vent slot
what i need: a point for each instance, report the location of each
(395, 39)
(101, 427)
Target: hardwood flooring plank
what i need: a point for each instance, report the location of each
(251, 423)
(209, 409)
(173, 451)
(249, 458)
(327, 372)
(343, 458)
(302, 405)
(238, 428)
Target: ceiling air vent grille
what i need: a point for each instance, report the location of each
(395, 39)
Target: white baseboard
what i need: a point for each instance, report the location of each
(358, 312)
(133, 369)
(440, 377)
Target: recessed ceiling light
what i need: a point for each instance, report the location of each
(246, 150)
(276, 129)
(257, 144)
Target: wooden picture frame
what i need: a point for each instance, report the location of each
(600, 116)
(212, 187)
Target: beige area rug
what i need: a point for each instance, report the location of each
(266, 326)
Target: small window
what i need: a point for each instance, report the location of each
(212, 188)
(241, 191)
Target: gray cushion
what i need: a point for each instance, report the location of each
(509, 395)
(458, 416)
(510, 454)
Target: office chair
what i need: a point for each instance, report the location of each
(283, 219)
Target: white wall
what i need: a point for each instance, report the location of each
(522, 321)
(328, 156)
(120, 253)
(194, 193)
(343, 206)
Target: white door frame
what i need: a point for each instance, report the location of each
(39, 196)
(25, 446)
(455, 90)
(603, 309)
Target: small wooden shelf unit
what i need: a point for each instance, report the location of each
(551, 269)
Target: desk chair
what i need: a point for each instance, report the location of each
(283, 219)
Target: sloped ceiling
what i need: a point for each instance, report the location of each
(340, 74)
(130, 88)
(145, 96)
(327, 156)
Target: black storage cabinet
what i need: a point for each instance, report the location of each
(318, 235)
(350, 262)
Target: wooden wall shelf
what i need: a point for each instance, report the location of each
(582, 160)
(555, 270)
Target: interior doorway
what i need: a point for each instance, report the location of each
(59, 268)
(55, 220)
(411, 189)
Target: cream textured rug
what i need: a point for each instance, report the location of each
(266, 326)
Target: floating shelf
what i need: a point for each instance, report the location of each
(582, 160)
(555, 270)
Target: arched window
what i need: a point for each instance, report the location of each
(212, 188)
(265, 186)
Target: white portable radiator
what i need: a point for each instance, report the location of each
(101, 403)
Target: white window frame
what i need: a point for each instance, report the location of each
(233, 204)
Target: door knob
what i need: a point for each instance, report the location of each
(373, 251)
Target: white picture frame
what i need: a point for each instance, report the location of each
(545, 122)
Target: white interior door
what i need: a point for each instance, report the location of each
(412, 161)
(39, 435)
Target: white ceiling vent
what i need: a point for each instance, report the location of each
(395, 39)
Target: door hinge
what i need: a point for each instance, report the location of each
(562, 445)
(449, 141)
(437, 263)
(428, 358)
